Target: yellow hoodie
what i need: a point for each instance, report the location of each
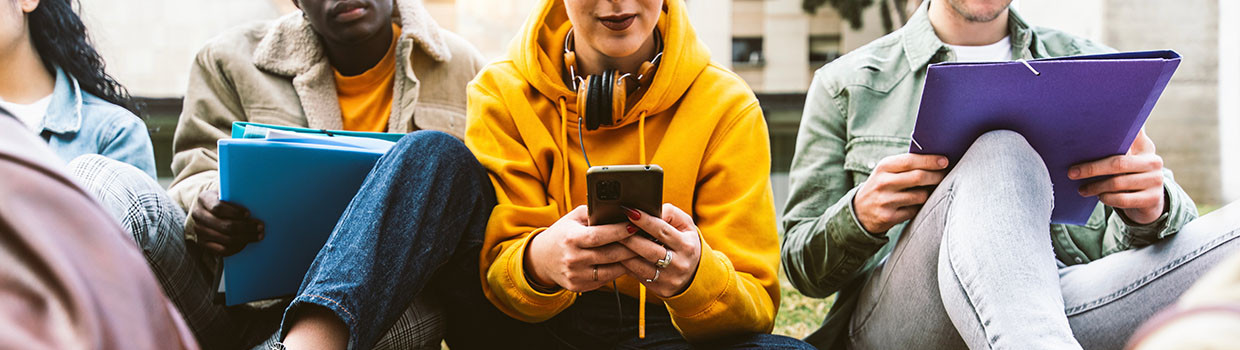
(702, 124)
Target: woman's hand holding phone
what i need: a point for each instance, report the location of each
(667, 269)
(578, 257)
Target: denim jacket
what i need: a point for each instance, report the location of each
(862, 108)
(79, 123)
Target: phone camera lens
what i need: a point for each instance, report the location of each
(609, 190)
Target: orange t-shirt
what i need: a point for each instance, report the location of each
(366, 99)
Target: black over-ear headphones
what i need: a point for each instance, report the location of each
(602, 98)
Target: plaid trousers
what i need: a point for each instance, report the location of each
(186, 272)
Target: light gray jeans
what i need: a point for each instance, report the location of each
(976, 268)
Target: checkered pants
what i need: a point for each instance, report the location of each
(185, 272)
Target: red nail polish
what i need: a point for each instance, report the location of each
(631, 229)
(632, 213)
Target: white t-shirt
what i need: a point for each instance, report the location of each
(32, 114)
(999, 51)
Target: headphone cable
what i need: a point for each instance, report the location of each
(619, 306)
(582, 141)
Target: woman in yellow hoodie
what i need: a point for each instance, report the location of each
(713, 279)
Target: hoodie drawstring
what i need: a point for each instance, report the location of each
(641, 136)
(641, 288)
(641, 150)
(568, 197)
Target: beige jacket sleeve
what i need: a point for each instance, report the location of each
(211, 106)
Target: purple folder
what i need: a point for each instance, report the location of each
(1070, 109)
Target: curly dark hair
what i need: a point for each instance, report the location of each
(60, 38)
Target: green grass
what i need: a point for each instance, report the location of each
(1202, 210)
(799, 315)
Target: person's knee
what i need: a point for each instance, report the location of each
(133, 199)
(430, 146)
(94, 169)
(439, 150)
(97, 170)
(1007, 145)
(113, 183)
(435, 157)
(1004, 159)
(87, 160)
(425, 138)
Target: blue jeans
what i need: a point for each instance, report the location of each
(419, 217)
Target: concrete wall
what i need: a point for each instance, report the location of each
(1185, 120)
(826, 22)
(785, 47)
(712, 21)
(149, 44)
(748, 18)
(749, 21)
(1229, 98)
(872, 17)
(490, 25)
(443, 11)
(1083, 18)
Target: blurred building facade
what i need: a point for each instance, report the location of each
(773, 45)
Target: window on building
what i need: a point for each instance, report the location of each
(747, 51)
(823, 49)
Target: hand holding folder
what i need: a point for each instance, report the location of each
(298, 182)
(1071, 110)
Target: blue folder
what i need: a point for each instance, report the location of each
(248, 130)
(298, 182)
(1071, 110)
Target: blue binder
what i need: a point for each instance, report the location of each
(248, 130)
(298, 182)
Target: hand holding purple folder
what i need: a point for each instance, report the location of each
(1070, 109)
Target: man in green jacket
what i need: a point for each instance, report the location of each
(976, 265)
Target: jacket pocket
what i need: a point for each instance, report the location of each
(862, 153)
(275, 116)
(439, 117)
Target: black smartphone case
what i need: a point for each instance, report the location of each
(610, 189)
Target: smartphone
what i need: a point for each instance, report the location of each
(612, 188)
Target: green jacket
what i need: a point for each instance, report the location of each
(861, 108)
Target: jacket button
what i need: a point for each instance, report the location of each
(1078, 260)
